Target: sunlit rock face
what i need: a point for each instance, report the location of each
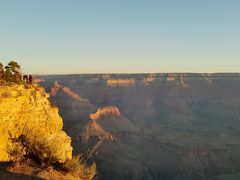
(69, 92)
(74, 95)
(105, 112)
(29, 108)
(120, 82)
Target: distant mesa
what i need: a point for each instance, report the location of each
(104, 112)
(120, 82)
(146, 80)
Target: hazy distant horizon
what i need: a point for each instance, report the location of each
(136, 73)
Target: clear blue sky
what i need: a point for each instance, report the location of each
(104, 36)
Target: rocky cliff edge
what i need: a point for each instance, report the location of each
(27, 112)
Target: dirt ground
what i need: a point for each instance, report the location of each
(33, 171)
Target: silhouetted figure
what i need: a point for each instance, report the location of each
(25, 79)
(30, 79)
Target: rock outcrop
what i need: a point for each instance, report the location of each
(55, 89)
(105, 112)
(74, 95)
(120, 82)
(28, 110)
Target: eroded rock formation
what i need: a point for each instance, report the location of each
(55, 89)
(105, 112)
(74, 95)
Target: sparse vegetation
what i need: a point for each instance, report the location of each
(17, 151)
(29, 145)
(78, 167)
(11, 74)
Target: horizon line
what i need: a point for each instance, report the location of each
(170, 72)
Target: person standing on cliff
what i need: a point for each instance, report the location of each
(1, 71)
(30, 79)
(25, 79)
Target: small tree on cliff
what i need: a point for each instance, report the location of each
(8, 74)
(13, 72)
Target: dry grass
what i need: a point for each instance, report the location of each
(17, 150)
(35, 145)
(79, 168)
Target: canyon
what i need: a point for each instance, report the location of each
(162, 126)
